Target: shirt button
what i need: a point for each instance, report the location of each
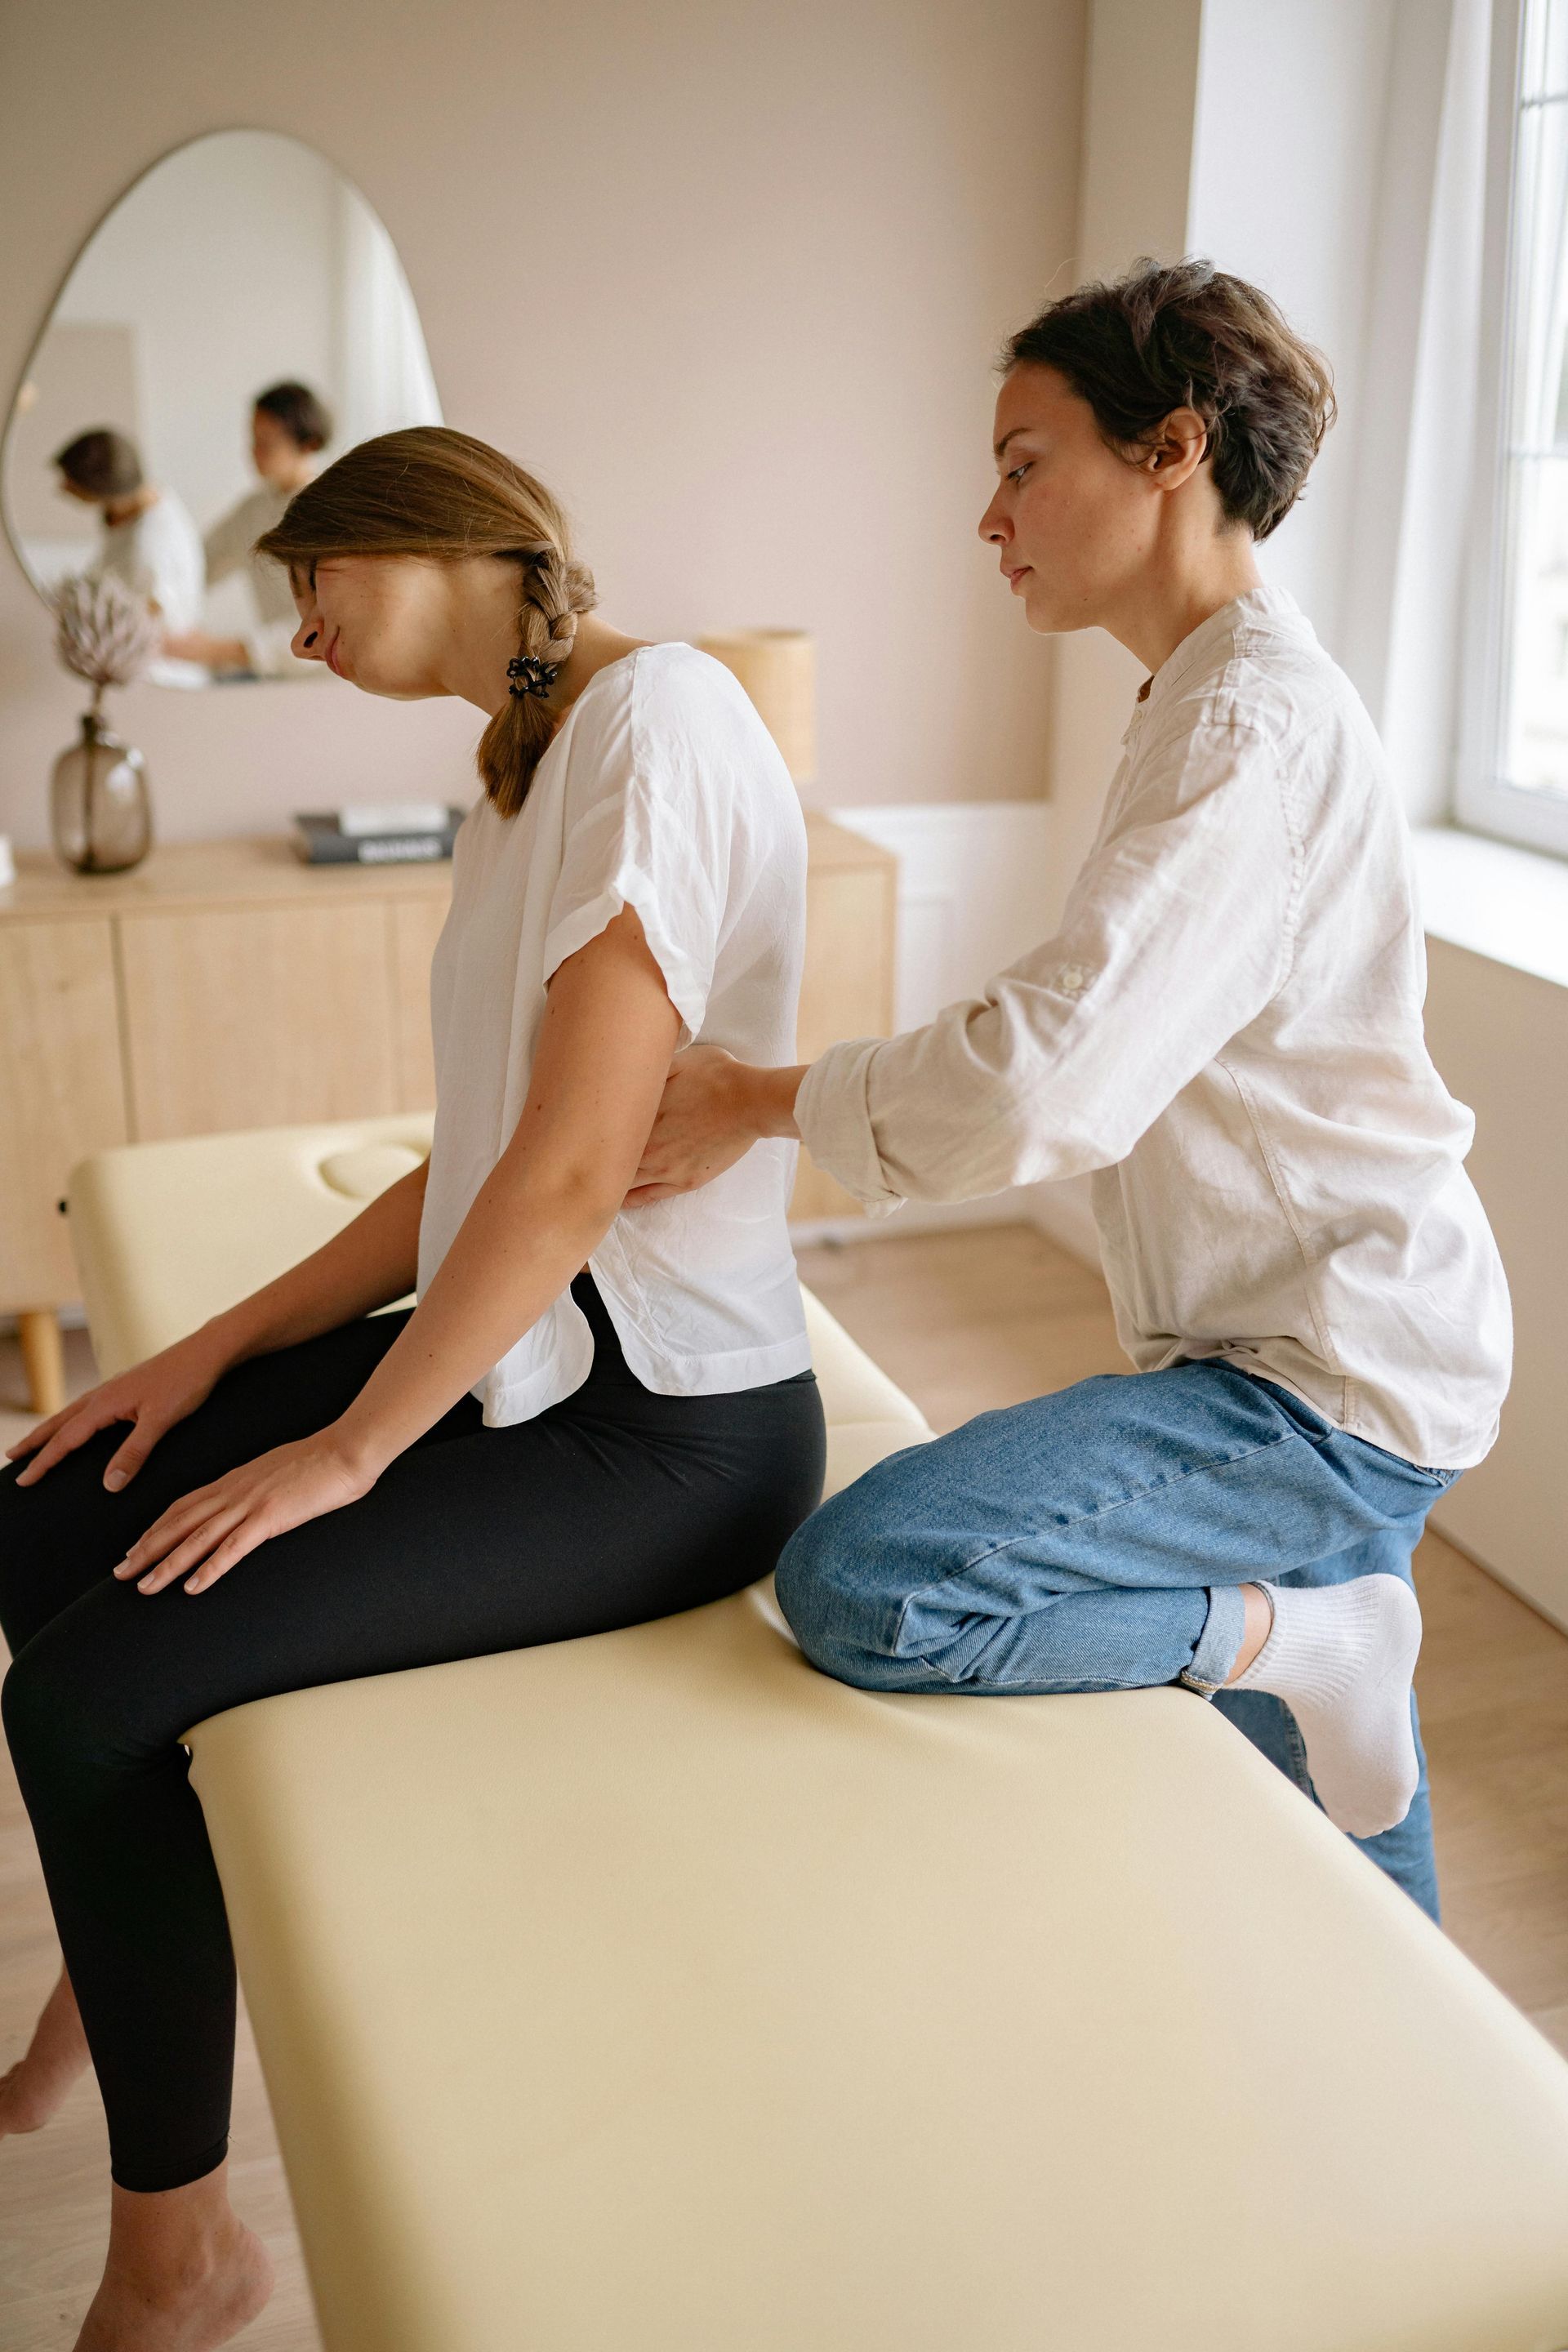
(1072, 979)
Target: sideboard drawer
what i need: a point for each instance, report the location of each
(61, 1093)
(257, 1016)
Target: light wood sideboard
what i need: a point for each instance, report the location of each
(225, 985)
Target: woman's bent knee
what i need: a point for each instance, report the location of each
(28, 1710)
(62, 1726)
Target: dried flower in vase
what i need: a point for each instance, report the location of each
(101, 811)
(104, 632)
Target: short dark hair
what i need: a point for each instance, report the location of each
(1185, 335)
(102, 463)
(307, 420)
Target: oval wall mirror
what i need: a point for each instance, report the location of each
(239, 316)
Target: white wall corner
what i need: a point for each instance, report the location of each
(1140, 88)
(1139, 112)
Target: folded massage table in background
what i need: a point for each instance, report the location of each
(653, 1993)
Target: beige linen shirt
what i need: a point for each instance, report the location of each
(227, 547)
(1227, 1031)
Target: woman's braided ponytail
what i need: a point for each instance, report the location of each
(556, 589)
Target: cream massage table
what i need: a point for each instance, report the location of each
(653, 1993)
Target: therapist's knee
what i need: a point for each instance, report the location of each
(838, 1581)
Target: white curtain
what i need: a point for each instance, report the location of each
(1409, 549)
(383, 372)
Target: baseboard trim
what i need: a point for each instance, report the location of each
(1466, 1546)
(913, 1217)
(1061, 1212)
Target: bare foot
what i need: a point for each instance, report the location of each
(57, 2055)
(184, 2274)
(205, 2304)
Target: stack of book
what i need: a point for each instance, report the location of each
(401, 832)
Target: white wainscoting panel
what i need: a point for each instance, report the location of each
(974, 882)
(975, 886)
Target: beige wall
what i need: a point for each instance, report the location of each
(728, 276)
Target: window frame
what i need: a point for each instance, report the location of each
(1484, 800)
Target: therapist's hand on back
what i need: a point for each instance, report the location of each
(714, 1110)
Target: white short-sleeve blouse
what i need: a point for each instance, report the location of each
(662, 790)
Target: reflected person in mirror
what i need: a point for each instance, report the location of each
(148, 540)
(290, 428)
(590, 1419)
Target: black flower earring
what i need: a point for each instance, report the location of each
(530, 675)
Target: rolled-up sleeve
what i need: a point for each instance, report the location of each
(1177, 933)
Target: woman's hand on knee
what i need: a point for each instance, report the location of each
(201, 1537)
(152, 1396)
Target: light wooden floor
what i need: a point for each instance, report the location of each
(962, 1321)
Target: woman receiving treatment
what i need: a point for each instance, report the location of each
(590, 1419)
(1226, 1032)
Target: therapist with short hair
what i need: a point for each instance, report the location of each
(1227, 1035)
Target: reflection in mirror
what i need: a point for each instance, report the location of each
(237, 318)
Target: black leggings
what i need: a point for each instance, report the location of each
(613, 1507)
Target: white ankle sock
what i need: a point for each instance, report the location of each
(1341, 1657)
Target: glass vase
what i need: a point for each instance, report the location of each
(100, 812)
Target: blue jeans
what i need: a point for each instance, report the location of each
(1098, 1540)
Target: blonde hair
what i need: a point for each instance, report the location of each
(431, 492)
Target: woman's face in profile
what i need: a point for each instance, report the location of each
(377, 621)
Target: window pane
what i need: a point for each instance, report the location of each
(1545, 58)
(1537, 739)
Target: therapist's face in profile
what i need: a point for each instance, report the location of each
(274, 452)
(1073, 522)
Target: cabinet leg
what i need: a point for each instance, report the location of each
(43, 1359)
